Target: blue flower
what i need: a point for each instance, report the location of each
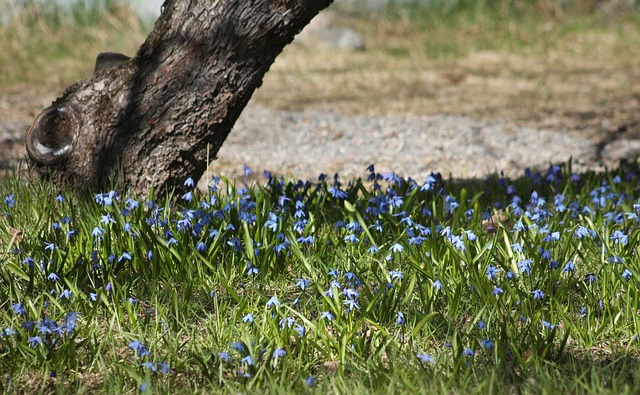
(468, 352)
(18, 309)
(351, 304)
(53, 277)
(248, 360)
(400, 320)
(34, 340)
(139, 348)
(326, 315)
(619, 238)
(457, 242)
(66, 294)
(352, 278)
(519, 226)
(164, 368)
(450, 204)
(189, 183)
(300, 329)
(248, 318)
(29, 261)
(107, 219)
(487, 344)
(150, 365)
(426, 358)
(548, 325)
(97, 231)
(310, 381)
(201, 247)
(338, 193)
(239, 347)
(396, 274)
(397, 247)
(438, 285)
(131, 204)
(273, 302)
(351, 238)
(570, 267)
(392, 178)
(287, 322)
(470, 235)
(10, 200)
(279, 353)
(8, 332)
(350, 293)
(525, 266)
(224, 356)
(303, 283)
(251, 271)
(554, 236)
(537, 294)
(71, 321)
(272, 223)
(627, 274)
(581, 232)
(616, 259)
(497, 291)
(306, 240)
(491, 272)
(429, 183)
(545, 254)
(396, 201)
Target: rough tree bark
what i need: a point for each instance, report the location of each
(146, 122)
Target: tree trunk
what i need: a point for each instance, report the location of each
(145, 123)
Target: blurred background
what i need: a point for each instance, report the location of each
(567, 65)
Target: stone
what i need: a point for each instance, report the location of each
(321, 32)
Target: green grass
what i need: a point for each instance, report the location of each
(454, 29)
(188, 302)
(46, 44)
(185, 278)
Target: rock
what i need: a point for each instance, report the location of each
(322, 33)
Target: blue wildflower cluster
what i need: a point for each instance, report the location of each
(244, 279)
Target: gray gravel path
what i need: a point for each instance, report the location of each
(306, 143)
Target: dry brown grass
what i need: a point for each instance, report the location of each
(546, 73)
(579, 73)
(39, 57)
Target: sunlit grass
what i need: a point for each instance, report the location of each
(298, 286)
(382, 285)
(43, 43)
